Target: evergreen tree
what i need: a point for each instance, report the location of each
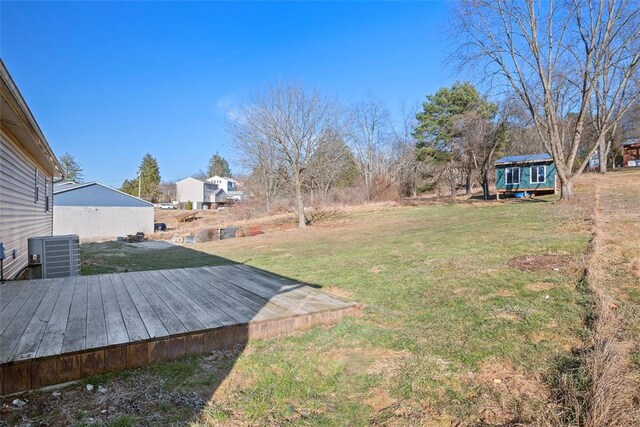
(149, 176)
(147, 182)
(71, 169)
(219, 166)
(130, 186)
(445, 127)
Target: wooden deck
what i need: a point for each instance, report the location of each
(57, 330)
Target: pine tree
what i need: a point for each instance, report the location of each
(219, 166)
(71, 169)
(149, 176)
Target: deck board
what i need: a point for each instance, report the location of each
(136, 330)
(13, 331)
(239, 313)
(207, 320)
(62, 329)
(199, 297)
(9, 292)
(160, 307)
(96, 335)
(74, 336)
(231, 295)
(188, 320)
(152, 322)
(262, 305)
(116, 329)
(34, 332)
(53, 338)
(9, 312)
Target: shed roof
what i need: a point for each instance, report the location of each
(93, 194)
(527, 158)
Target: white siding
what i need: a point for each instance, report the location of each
(102, 222)
(21, 216)
(190, 190)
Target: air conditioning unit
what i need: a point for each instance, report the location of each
(54, 256)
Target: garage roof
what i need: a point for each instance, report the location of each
(93, 194)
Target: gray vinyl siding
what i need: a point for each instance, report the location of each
(21, 216)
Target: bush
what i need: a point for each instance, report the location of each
(189, 206)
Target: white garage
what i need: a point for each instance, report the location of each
(97, 212)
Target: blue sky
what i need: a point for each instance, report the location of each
(111, 81)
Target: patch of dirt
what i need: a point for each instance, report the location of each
(505, 293)
(379, 400)
(506, 316)
(543, 262)
(371, 361)
(634, 266)
(377, 269)
(539, 286)
(143, 396)
(509, 394)
(339, 292)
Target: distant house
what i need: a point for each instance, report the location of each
(28, 167)
(225, 184)
(94, 211)
(533, 173)
(202, 194)
(631, 153)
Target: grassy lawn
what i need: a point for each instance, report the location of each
(117, 257)
(451, 327)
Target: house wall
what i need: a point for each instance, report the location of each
(102, 222)
(525, 177)
(190, 190)
(631, 153)
(21, 216)
(225, 184)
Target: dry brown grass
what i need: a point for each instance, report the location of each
(243, 215)
(603, 389)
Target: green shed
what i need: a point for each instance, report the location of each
(530, 174)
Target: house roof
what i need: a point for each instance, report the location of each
(190, 178)
(527, 158)
(18, 119)
(221, 177)
(106, 196)
(631, 142)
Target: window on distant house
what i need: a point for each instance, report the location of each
(512, 176)
(36, 186)
(538, 174)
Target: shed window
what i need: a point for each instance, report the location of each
(538, 174)
(36, 185)
(512, 176)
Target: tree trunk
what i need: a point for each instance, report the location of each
(452, 180)
(566, 189)
(467, 184)
(602, 154)
(302, 220)
(485, 187)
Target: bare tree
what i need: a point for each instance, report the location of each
(281, 132)
(330, 163)
(567, 58)
(407, 170)
(369, 135)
